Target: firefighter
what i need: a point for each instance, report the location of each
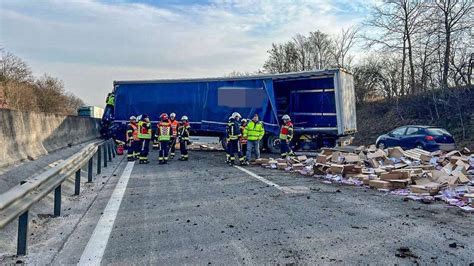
(227, 154)
(286, 135)
(183, 135)
(164, 136)
(132, 139)
(243, 142)
(174, 133)
(254, 132)
(233, 135)
(144, 135)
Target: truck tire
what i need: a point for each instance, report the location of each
(271, 146)
(223, 143)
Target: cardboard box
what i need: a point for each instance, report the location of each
(432, 189)
(395, 152)
(262, 161)
(399, 183)
(302, 158)
(297, 166)
(425, 158)
(380, 184)
(323, 158)
(366, 181)
(391, 176)
(377, 154)
(352, 158)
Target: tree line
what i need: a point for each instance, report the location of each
(20, 90)
(409, 47)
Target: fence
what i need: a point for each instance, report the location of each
(16, 202)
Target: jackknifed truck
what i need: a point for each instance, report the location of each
(320, 103)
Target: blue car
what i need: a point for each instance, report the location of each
(423, 137)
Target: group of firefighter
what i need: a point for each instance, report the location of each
(168, 132)
(243, 137)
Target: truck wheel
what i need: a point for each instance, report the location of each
(271, 145)
(223, 143)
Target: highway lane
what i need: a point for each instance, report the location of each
(205, 212)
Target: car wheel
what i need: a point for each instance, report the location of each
(419, 146)
(381, 145)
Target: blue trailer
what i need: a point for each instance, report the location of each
(320, 103)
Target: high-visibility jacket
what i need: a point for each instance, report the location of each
(233, 129)
(183, 131)
(164, 131)
(286, 132)
(243, 139)
(111, 100)
(254, 131)
(144, 130)
(132, 131)
(174, 128)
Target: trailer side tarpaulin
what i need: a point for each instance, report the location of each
(207, 104)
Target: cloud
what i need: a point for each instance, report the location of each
(90, 43)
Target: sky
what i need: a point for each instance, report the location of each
(90, 43)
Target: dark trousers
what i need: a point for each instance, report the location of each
(285, 148)
(130, 150)
(164, 148)
(243, 151)
(173, 146)
(144, 149)
(233, 147)
(183, 148)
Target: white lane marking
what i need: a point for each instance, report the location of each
(268, 182)
(285, 189)
(95, 248)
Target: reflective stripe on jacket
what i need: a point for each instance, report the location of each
(132, 131)
(144, 130)
(164, 131)
(183, 131)
(233, 129)
(286, 132)
(243, 139)
(254, 131)
(174, 128)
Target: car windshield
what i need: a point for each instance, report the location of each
(437, 131)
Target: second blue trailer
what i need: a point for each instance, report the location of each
(321, 104)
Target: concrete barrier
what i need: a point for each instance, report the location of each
(26, 135)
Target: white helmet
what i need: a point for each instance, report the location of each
(243, 120)
(286, 117)
(236, 115)
(172, 115)
(139, 117)
(184, 118)
(133, 118)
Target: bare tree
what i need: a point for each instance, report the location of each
(13, 68)
(321, 47)
(342, 44)
(452, 17)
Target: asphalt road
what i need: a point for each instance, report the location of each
(205, 212)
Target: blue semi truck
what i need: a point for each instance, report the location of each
(320, 103)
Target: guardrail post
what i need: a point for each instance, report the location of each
(89, 170)
(105, 154)
(99, 158)
(57, 201)
(77, 182)
(22, 234)
(109, 149)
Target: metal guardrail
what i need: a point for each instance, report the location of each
(16, 202)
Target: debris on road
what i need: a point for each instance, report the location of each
(415, 174)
